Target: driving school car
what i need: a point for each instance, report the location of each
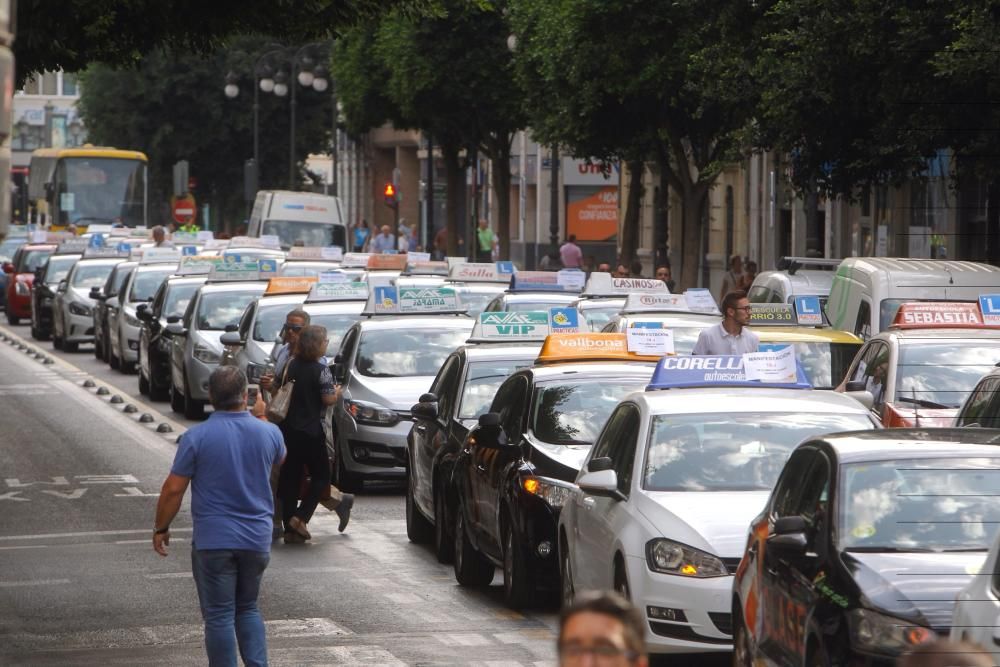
(684, 314)
(922, 368)
(477, 283)
(539, 290)
(604, 296)
(679, 470)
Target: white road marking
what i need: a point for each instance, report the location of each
(91, 533)
(304, 627)
(12, 495)
(26, 546)
(75, 494)
(106, 479)
(36, 582)
(455, 639)
(15, 483)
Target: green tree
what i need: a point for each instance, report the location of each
(172, 107)
(636, 80)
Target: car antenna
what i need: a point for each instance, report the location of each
(916, 408)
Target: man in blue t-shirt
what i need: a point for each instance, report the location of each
(227, 460)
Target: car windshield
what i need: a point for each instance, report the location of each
(738, 451)
(481, 383)
(32, 259)
(217, 310)
(310, 233)
(177, 299)
(940, 504)
(941, 375)
(596, 318)
(336, 325)
(825, 364)
(58, 268)
(574, 413)
(146, 283)
(91, 275)
(393, 352)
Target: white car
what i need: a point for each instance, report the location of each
(977, 607)
(671, 484)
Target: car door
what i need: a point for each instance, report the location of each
(178, 345)
(428, 436)
(789, 588)
(599, 519)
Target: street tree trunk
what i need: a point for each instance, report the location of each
(501, 187)
(630, 224)
(455, 182)
(690, 182)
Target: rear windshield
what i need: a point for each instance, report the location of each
(574, 413)
(91, 275)
(825, 364)
(310, 233)
(218, 310)
(942, 375)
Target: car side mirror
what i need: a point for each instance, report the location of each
(142, 310)
(173, 319)
(788, 536)
(232, 327)
(175, 329)
(231, 338)
(63, 285)
(855, 385)
(95, 293)
(600, 483)
(600, 463)
(490, 433)
(427, 410)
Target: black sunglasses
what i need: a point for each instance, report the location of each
(294, 327)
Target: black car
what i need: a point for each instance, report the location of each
(106, 299)
(168, 306)
(863, 545)
(461, 392)
(43, 291)
(516, 468)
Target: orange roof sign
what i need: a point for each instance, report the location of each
(562, 348)
(386, 262)
(290, 285)
(938, 314)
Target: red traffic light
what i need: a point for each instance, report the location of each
(391, 197)
(390, 190)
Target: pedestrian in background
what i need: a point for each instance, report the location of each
(635, 269)
(550, 262)
(945, 653)
(570, 253)
(602, 628)
(733, 278)
(403, 237)
(384, 242)
(664, 273)
(486, 242)
(361, 233)
(604, 267)
(621, 271)
(302, 428)
(227, 461)
(731, 335)
(160, 238)
(749, 275)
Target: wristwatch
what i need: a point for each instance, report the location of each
(160, 531)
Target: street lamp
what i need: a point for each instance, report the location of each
(280, 86)
(232, 88)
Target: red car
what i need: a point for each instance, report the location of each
(21, 273)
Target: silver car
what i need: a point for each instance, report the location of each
(195, 349)
(308, 268)
(384, 365)
(73, 307)
(123, 323)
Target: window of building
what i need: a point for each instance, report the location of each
(69, 84)
(50, 83)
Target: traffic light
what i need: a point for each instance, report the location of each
(391, 196)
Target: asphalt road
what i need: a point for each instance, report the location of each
(80, 584)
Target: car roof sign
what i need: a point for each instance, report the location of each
(339, 291)
(269, 241)
(73, 246)
(603, 284)
(479, 272)
(425, 268)
(989, 306)
(570, 347)
(386, 262)
(942, 314)
(197, 266)
(559, 281)
(327, 253)
(392, 300)
(512, 326)
(689, 371)
(102, 253)
(234, 272)
(771, 314)
(290, 285)
(159, 255)
(808, 310)
(355, 260)
(691, 301)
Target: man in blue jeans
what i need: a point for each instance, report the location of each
(227, 460)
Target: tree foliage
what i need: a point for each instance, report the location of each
(172, 108)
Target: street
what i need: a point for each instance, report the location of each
(81, 585)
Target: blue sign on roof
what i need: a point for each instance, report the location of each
(505, 268)
(808, 310)
(713, 371)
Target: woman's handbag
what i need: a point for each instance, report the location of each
(277, 409)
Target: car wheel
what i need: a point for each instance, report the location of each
(565, 575)
(471, 567)
(344, 479)
(143, 382)
(70, 347)
(57, 340)
(418, 528)
(621, 580)
(743, 653)
(99, 348)
(193, 409)
(156, 392)
(13, 319)
(516, 578)
(176, 400)
(444, 534)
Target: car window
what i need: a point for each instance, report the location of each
(623, 456)
(336, 324)
(443, 382)
(759, 294)
(974, 409)
(509, 404)
(32, 259)
(449, 373)
(873, 370)
(117, 280)
(739, 451)
(496, 305)
(177, 299)
(269, 320)
(57, 268)
(157, 307)
(863, 325)
(145, 284)
(572, 413)
(788, 487)
(91, 275)
(392, 352)
(346, 348)
(246, 318)
(941, 375)
(596, 318)
(218, 310)
(481, 383)
(310, 233)
(476, 302)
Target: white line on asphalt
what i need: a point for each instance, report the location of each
(26, 546)
(170, 575)
(37, 582)
(92, 533)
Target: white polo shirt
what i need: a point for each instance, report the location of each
(716, 340)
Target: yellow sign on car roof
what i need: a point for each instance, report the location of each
(804, 335)
(290, 285)
(568, 347)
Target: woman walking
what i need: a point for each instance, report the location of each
(302, 427)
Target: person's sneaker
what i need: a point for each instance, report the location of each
(291, 537)
(344, 510)
(299, 526)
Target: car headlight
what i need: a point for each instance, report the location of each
(552, 491)
(669, 557)
(21, 288)
(131, 319)
(371, 413)
(878, 633)
(206, 354)
(79, 309)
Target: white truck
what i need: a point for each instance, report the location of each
(298, 218)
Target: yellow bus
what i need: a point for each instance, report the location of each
(88, 185)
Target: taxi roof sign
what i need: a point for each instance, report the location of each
(386, 262)
(772, 314)
(942, 314)
(392, 300)
(197, 266)
(316, 253)
(558, 281)
(479, 272)
(570, 347)
(339, 291)
(234, 272)
(689, 371)
(691, 301)
(159, 255)
(603, 284)
(290, 285)
(103, 252)
(511, 327)
(268, 241)
(72, 246)
(426, 268)
(355, 260)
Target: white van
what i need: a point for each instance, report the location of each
(313, 219)
(867, 291)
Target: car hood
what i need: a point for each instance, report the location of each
(210, 339)
(914, 586)
(398, 393)
(713, 521)
(81, 296)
